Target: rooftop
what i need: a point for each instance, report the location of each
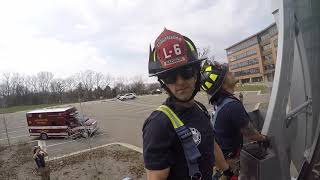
(45, 110)
(251, 36)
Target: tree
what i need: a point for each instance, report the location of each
(98, 79)
(153, 86)
(7, 85)
(137, 85)
(44, 80)
(87, 79)
(58, 88)
(71, 83)
(204, 53)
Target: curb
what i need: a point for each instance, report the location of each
(256, 107)
(129, 146)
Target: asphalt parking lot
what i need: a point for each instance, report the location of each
(119, 121)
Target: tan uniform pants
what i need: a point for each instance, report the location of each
(44, 173)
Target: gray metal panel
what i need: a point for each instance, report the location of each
(275, 122)
(296, 78)
(298, 129)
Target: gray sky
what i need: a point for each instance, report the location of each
(113, 36)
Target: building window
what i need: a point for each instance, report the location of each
(245, 80)
(245, 54)
(269, 67)
(247, 72)
(266, 47)
(268, 57)
(273, 30)
(269, 33)
(242, 45)
(256, 79)
(265, 37)
(245, 63)
(275, 43)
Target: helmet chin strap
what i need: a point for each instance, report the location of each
(194, 93)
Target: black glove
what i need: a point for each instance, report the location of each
(228, 173)
(266, 143)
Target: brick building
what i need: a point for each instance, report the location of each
(253, 59)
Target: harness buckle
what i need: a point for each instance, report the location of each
(196, 176)
(184, 133)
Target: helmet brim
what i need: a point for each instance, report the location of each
(171, 69)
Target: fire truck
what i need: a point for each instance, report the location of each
(59, 122)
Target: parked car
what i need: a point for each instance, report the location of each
(127, 96)
(119, 95)
(156, 91)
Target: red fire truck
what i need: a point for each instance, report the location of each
(59, 122)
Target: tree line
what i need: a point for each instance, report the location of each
(43, 88)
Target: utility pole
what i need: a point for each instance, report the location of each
(5, 126)
(88, 136)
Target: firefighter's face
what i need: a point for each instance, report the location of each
(183, 88)
(230, 80)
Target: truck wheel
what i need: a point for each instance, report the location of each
(43, 136)
(84, 134)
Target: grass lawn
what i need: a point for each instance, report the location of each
(261, 88)
(24, 108)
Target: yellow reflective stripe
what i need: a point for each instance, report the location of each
(176, 122)
(154, 56)
(213, 77)
(204, 88)
(190, 45)
(208, 84)
(208, 69)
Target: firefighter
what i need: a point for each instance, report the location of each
(38, 156)
(178, 139)
(241, 97)
(230, 120)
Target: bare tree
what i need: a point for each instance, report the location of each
(58, 88)
(87, 79)
(107, 79)
(153, 86)
(17, 84)
(44, 80)
(98, 79)
(32, 83)
(71, 83)
(6, 81)
(204, 53)
(2, 89)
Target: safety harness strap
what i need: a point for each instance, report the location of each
(190, 149)
(218, 108)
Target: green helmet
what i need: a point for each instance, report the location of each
(212, 77)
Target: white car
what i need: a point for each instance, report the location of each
(127, 96)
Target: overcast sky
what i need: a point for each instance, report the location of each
(113, 36)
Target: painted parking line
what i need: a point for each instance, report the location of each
(138, 104)
(72, 141)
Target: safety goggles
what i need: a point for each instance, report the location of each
(170, 77)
